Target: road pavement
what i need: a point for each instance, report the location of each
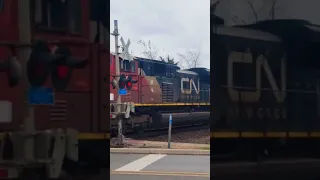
(159, 167)
(294, 169)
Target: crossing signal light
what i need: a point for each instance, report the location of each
(122, 81)
(40, 63)
(59, 63)
(129, 85)
(130, 82)
(13, 70)
(62, 69)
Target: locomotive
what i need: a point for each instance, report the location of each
(81, 27)
(266, 88)
(162, 89)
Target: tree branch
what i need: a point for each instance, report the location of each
(272, 10)
(250, 4)
(150, 50)
(192, 58)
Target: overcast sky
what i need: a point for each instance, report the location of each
(284, 9)
(174, 26)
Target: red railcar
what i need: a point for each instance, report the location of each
(84, 104)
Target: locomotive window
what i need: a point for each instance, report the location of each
(133, 66)
(75, 14)
(60, 15)
(128, 66)
(186, 85)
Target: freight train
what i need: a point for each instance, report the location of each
(162, 89)
(266, 88)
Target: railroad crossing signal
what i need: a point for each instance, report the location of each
(58, 63)
(125, 53)
(62, 70)
(13, 70)
(122, 81)
(130, 82)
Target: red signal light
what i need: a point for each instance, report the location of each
(62, 71)
(57, 60)
(130, 82)
(129, 85)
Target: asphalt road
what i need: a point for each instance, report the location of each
(155, 177)
(306, 169)
(159, 167)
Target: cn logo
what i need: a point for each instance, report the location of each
(192, 86)
(261, 63)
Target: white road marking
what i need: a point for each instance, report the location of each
(141, 163)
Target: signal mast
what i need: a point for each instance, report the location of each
(121, 81)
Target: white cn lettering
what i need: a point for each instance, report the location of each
(192, 86)
(261, 62)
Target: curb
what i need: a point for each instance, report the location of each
(159, 151)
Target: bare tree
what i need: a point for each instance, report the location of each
(168, 60)
(213, 6)
(162, 59)
(256, 11)
(237, 20)
(273, 8)
(150, 50)
(191, 58)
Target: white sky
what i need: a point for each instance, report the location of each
(284, 9)
(173, 26)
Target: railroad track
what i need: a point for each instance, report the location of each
(164, 131)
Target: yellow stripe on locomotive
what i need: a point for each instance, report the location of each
(230, 135)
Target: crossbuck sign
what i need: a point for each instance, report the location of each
(125, 53)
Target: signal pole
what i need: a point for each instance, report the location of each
(118, 107)
(25, 37)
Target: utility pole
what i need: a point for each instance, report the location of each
(25, 38)
(118, 107)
